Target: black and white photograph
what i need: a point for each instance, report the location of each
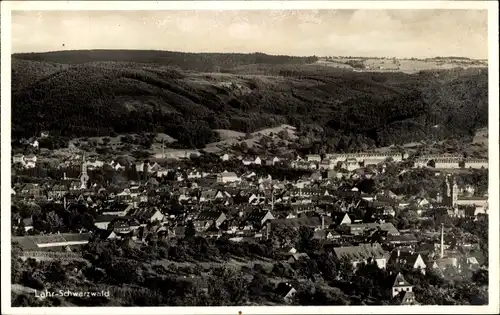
(267, 157)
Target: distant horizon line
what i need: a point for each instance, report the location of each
(250, 53)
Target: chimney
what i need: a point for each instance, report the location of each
(268, 230)
(322, 222)
(64, 175)
(399, 252)
(272, 200)
(442, 241)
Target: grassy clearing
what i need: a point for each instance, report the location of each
(230, 138)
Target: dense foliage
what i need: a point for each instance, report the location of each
(104, 97)
(198, 271)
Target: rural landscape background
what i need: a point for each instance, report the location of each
(189, 96)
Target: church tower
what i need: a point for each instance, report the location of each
(83, 176)
(448, 187)
(454, 193)
(450, 191)
(445, 191)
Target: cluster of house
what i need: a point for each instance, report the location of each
(249, 208)
(193, 187)
(400, 287)
(461, 200)
(347, 161)
(273, 160)
(309, 194)
(354, 161)
(381, 243)
(27, 161)
(344, 163)
(30, 161)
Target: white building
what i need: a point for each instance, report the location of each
(421, 162)
(30, 161)
(162, 172)
(18, 158)
(227, 177)
(94, 163)
(362, 253)
(274, 160)
(118, 167)
(327, 164)
(446, 163)
(139, 167)
(481, 203)
(366, 158)
(351, 165)
(477, 164)
(401, 285)
(313, 158)
(193, 175)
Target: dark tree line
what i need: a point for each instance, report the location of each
(204, 62)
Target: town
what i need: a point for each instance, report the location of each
(317, 218)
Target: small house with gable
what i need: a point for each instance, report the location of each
(400, 285)
(209, 218)
(363, 253)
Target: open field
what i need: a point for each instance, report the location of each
(477, 148)
(481, 137)
(230, 138)
(479, 145)
(403, 65)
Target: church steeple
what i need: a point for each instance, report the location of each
(448, 186)
(83, 176)
(454, 193)
(450, 191)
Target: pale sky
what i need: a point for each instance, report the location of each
(377, 33)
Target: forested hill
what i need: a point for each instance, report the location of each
(353, 109)
(188, 61)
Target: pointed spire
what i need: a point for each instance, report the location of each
(84, 177)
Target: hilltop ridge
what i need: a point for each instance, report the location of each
(177, 97)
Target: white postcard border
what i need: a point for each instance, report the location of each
(491, 6)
